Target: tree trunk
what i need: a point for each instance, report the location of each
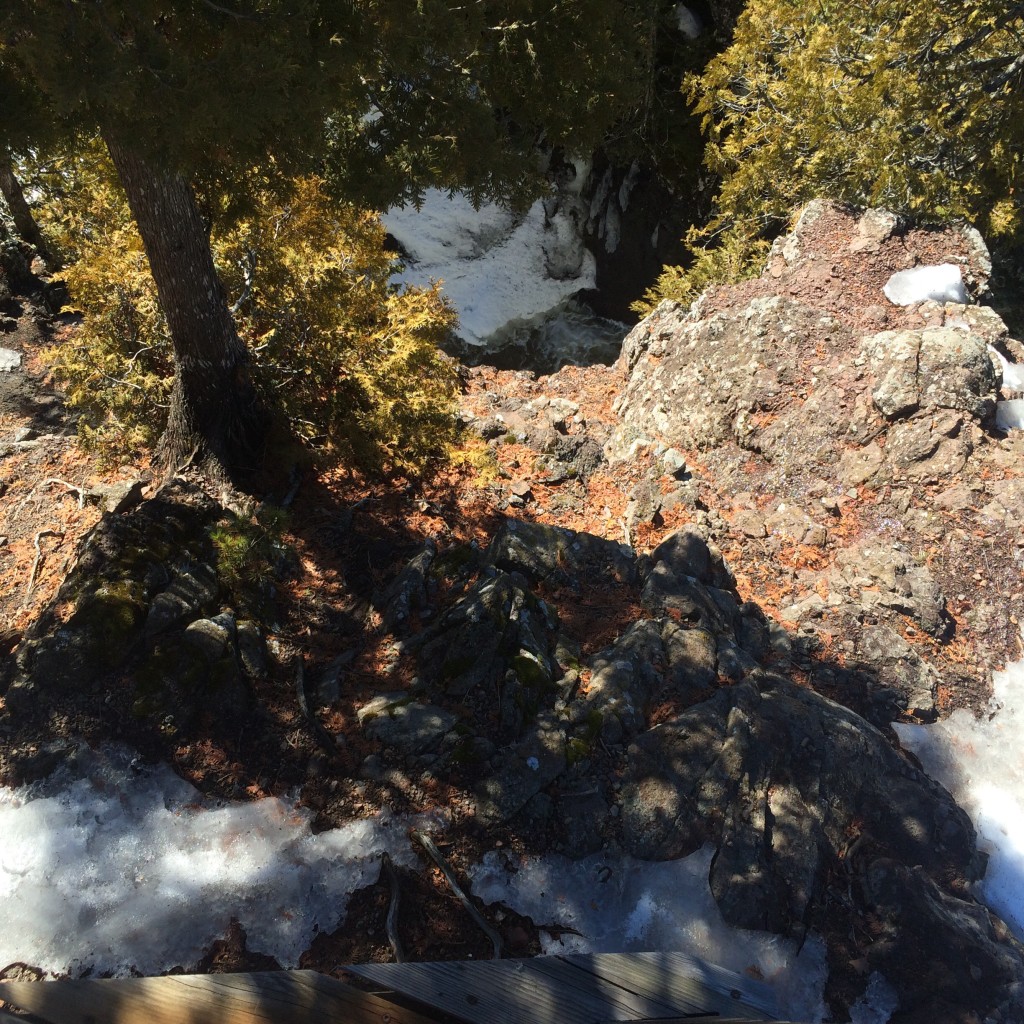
(21, 213)
(215, 418)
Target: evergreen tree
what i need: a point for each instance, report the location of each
(379, 97)
(909, 104)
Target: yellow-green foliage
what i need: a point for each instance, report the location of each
(352, 360)
(908, 104)
(734, 256)
(117, 366)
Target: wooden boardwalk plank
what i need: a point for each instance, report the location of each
(270, 997)
(685, 983)
(581, 983)
(494, 992)
(577, 989)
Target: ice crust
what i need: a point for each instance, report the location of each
(981, 762)
(626, 905)
(131, 867)
(491, 260)
(942, 283)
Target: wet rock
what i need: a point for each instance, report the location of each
(899, 668)
(498, 636)
(400, 722)
(526, 768)
(962, 957)
(564, 216)
(551, 553)
(776, 774)
(407, 594)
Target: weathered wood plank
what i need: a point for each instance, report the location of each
(579, 983)
(685, 983)
(496, 992)
(577, 989)
(270, 997)
(9, 1018)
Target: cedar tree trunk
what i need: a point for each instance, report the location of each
(21, 213)
(215, 418)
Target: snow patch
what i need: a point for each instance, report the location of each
(942, 283)
(129, 866)
(877, 1004)
(9, 360)
(688, 23)
(981, 762)
(491, 260)
(626, 905)
(1010, 415)
(1013, 373)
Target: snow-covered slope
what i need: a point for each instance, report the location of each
(495, 264)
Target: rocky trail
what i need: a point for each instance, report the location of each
(681, 601)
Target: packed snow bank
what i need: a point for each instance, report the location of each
(625, 905)
(492, 261)
(128, 866)
(943, 283)
(981, 762)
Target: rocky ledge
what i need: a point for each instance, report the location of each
(837, 546)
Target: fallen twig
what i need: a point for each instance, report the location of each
(35, 563)
(435, 855)
(391, 924)
(80, 491)
(323, 738)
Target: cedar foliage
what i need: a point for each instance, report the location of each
(353, 361)
(379, 98)
(904, 104)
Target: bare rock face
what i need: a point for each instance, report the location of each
(823, 416)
